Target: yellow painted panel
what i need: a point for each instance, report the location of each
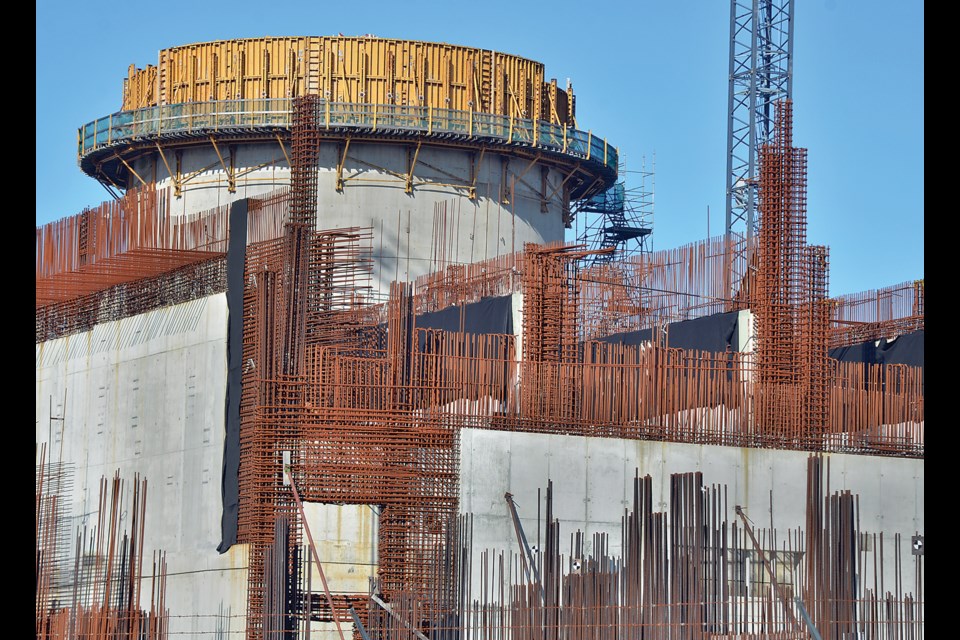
(349, 69)
(139, 88)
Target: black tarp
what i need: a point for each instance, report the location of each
(229, 484)
(488, 315)
(906, 349)
(716, 334)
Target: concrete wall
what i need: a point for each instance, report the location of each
(346, 539)
(593, 485)
(146, 395)
(505, 214)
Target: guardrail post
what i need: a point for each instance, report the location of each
(374, 117)
(327, 114)
(589, 143)
(429, 120)
(604, 152)
(470, 125)
(564, 139)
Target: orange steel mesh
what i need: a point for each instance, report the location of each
(268, 215)
(127, 299)
(877, 314)
(121, 259)
(665, 286)
(122, 241)
(466, 283)
(789, 300)
(642, 291)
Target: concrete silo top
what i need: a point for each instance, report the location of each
(243, 90)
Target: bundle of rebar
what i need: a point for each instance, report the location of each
(100, 597)
(688, 571)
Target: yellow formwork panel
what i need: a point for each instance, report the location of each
(363, 70)
(139, 88)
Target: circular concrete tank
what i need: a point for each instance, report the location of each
(441, 150)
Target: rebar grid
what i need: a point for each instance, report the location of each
(120, 301)
(665, 286)
(117, 261)
(790, 297)
(122, 241)
(877, 314)
(626, 295)
(466, 283)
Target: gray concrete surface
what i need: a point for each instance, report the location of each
(593, 486)
(145, 395)
(505, 214)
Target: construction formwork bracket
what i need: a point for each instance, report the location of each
(340, 162)
(411, 164)
(544, 184)
(101, 176)
(130, 169)
(505, 167)
(178, 176)
(284, 150)
(175, 178)
(477, 162)
(229, 170)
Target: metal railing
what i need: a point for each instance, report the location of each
(275, 113)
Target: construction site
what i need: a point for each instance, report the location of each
(328, 364)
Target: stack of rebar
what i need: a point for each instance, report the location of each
(100, 597)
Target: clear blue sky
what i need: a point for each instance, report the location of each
(649, 76)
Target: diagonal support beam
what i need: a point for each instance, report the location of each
(766, 565)
(130, 169)
(563, 183)
(413, 163)
(283, 149)
(174, 177)
(231, 178)
(340, 162)
(288, 479)
(475, 170)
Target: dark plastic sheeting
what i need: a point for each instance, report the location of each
(229, 485)
(489, 315)
(716, 334)
(906, 349)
